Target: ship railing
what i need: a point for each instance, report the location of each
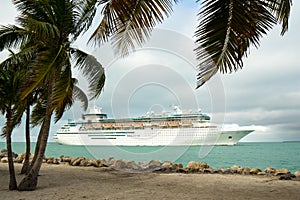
(140, 125)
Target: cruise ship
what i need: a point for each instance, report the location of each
(165, 129)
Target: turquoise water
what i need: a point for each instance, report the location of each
(261, 155)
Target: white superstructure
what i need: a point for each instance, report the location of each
(176, 129)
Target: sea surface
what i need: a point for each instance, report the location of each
(261, 155)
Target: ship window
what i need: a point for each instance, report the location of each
(230, 137)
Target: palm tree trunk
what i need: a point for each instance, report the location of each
(36, 151)
(12, 177)
(29, 182)
(25, 168)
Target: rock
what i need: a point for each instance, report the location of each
(262, 173)
(197, 166)
(235, 167)
(3, 153)
(119, 164)
(173, 167)
(49, 160)
(282, 171)
(180, 166)
(287, 176)
(214, 171)
(240, 170)
(76, 161)
(56, 161)
(143, 166)
(4, 159)
(20, 158)
(227, 171)
(111, 160)
(166, 166)
(52, 160)
(154, 165)
(255, 171)
(132, 165)
(87, 162)
(66, 159)
(92, 162)
(84, 162)
(297, 173)
(246, 171)
(270, 170)
(209, 171)
(102, 163)
(181, 170)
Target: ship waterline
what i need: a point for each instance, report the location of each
(176, 129)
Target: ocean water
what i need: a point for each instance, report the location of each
(261, 155)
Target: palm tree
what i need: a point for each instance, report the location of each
(225, 32)
(49, 27)
(10, 63)
(10, 82)
(26, 162)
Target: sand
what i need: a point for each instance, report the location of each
(68, 182)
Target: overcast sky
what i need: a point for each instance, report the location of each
(264, 94)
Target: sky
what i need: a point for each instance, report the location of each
(264, 94)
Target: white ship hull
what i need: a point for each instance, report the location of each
(152, 137)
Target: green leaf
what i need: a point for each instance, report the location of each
(226, 31)
(129, 23)
(91, 69)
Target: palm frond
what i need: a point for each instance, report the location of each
(225, 33)
(281, 10)
(91, 69)
(38, 111)
(41, 69)
(12, 37)
(63, 88)
(79, 94)
(11, 79)
(41, 30)
(129, 23)
(22, 58)
(84, 15)
(39, 9)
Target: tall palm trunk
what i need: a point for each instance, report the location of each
(36, 151)
(29, 182)
(12, 177)
(25, 168)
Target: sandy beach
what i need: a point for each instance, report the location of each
(69, 182)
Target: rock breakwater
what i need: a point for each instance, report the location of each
(157, 166)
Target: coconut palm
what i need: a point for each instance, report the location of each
(49, 27)
(225, 32)
(10, 82)
(10, 64)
